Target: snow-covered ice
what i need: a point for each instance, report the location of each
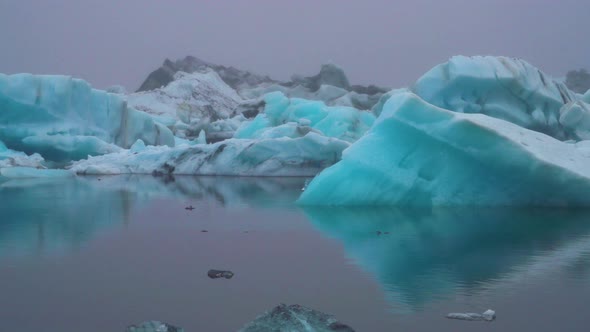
(303, 156)
(191, 103)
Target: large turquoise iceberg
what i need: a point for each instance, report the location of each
(477, 131)
(418, 154)
(64, 119)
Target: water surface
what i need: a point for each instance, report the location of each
(100, 253)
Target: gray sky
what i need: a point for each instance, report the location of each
(386, 42)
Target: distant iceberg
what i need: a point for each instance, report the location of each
(294, 117)
(192, 103)
(283, 156)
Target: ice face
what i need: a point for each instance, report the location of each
(505, 88)
(417, 154)
(304, 156)
(294, 117)
(63, 118)
(10, 158)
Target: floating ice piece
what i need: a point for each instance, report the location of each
(501, 87)
(63, 118)
(153, 326)
(417, 154)
(304, 156)
(489, 315)
(295, 318)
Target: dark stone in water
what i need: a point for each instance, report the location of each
(153, 326)
(295, 318)
(215, 274)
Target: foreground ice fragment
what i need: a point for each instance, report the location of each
(295, 318)
(489, 315)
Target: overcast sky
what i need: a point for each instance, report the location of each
(386, 42)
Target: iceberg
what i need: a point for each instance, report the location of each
(501, 87)
(295, 318)
(191, 103)
(302, 156)
(64, 119)
(417, 154)
(294, 117)
(10, 158)
(488, 315)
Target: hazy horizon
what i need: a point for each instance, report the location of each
(376, 42)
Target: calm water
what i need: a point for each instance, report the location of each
(97, 255)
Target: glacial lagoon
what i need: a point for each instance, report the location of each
(101, 253)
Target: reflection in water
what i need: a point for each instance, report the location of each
(426, 255)
(45, 215)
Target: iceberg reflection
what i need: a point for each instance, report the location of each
(46, 215)
(420, 256)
